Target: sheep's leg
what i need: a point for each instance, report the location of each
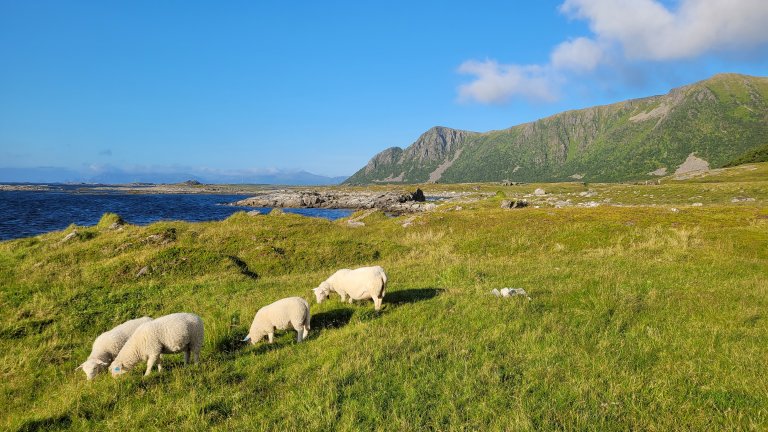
(186, 355)
(350, 300)
(271, 336)
(196, 355)
(377, 303)
(151, 363)
(159, 362)
(299, 335)
(343, 297)
(306, 332)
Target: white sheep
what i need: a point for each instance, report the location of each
(178, 332)
(359, 284)
(291, 312)
(107, 345)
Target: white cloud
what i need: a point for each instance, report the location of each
(495, 83)
(579, 55)
(647, 30)
(631, 31)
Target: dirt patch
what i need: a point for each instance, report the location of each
(659, 112)
(393, 179)
(659, 172)
(438, 172)
(692, 164)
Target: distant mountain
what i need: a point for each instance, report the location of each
(119, 176)
(717, 121)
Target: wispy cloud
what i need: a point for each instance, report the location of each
(623, 31)
(497, 83)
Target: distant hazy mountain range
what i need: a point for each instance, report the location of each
(118, 176)
(719, 121)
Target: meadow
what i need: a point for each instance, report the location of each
(647, 313)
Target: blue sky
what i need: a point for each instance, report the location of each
(322, 86)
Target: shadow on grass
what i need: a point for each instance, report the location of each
(243, 267)
(411, 295)
(331, 319)
(49, 423)
(229, 343)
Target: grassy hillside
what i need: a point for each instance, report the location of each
(723, 120)
(648, 315)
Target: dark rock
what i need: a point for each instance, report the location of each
(510, 204)
(419, 196)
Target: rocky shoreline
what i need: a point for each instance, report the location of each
(399, 202)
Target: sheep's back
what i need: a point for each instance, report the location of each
(173, 331)
(363, 279)
(283, 312)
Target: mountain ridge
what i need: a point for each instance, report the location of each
(717, 120)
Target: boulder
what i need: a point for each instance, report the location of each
(510, 204)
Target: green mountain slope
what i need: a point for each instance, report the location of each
(718, 121)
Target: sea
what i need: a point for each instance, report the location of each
(29, 213)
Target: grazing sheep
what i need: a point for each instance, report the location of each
(291, 312)
(359, 284)
(178, 332)
(107, 345)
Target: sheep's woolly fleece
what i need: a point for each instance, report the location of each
(108, 344)
(178, 332)
(291, 312)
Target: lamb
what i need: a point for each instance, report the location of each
(107, 345)
(359, 284)
(281, 315)
(178, 332)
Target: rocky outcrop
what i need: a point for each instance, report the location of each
(435, 150)
(436, 144)
(401, 202)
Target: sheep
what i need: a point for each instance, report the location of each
(359, 284)
(281, 315)
(107, 345)
(178, 332)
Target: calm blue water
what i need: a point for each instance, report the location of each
(25, 213)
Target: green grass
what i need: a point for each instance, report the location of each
(641, 318)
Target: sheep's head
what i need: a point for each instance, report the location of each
(116, 369)
(253, 338)
(322, 292)
(91, 367)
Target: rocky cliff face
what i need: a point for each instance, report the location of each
(718, 119)
(425, 155)
(435, 144)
